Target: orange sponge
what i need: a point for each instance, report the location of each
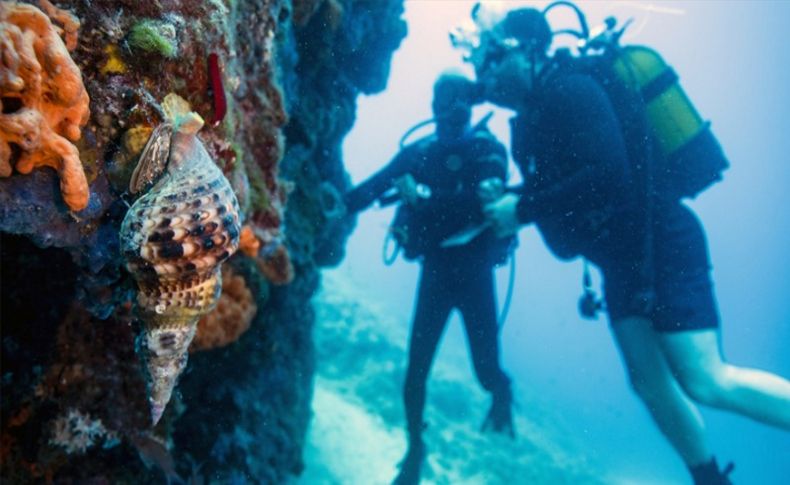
(44, 103)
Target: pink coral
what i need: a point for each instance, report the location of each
(43, 100)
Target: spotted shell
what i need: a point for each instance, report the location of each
(176, 236)
(174, 239)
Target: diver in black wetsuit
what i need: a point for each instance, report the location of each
(585, 198)
(455, 164)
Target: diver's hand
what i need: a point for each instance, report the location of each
(407, 189)
(502, 215)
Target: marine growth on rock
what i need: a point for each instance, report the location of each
(174, 239)
(43, 102)
(232, 316)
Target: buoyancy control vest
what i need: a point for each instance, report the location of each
(412, 230)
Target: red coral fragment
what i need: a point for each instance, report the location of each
(217, 89)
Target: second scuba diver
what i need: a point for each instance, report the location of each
(458, 164)
(583, 192)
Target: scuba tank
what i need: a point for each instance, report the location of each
(690, 158)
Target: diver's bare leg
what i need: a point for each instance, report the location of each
(695, 357)
(652, 380)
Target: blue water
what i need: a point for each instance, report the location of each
(734, 64)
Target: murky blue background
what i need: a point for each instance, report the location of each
(733, 62)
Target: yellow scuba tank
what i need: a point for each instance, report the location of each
(691, 158)
(673, 118)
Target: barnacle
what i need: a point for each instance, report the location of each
(42, 98)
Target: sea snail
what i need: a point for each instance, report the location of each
(174, 239)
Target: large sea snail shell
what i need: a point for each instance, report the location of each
(174, 239)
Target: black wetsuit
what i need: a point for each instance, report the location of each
(457, 277)
(585, 198)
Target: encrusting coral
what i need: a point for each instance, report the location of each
(249, 244)
(276, 265)
(76, 432)
(269, 252)
(43, 100)
(230, 319)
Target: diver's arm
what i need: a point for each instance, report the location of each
(562, 197)
(363, 195)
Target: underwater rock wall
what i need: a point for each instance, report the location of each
(343, 49)
(276, 82)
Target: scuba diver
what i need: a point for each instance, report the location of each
(442, 181)
(593, 189)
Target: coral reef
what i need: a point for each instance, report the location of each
(72, 362)
(335, 64)
(290, 87)
(269, 252)
(276, 265)
(43, 100)
(230, 319)
(76, 432)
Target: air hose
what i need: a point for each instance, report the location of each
(511, 281)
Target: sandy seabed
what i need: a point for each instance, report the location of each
(356, 434)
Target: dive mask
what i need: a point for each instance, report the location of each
(482, 39)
